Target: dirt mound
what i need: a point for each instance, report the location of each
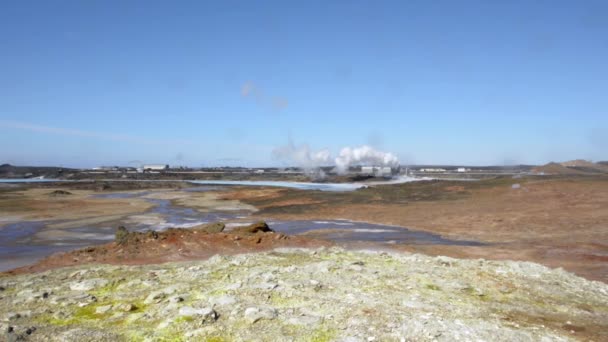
(177, 244)
(60, 193)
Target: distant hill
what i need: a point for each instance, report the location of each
(585, 165)
(572, 167)
(12, 171)
(556, 169)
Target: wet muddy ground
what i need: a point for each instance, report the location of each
(25, 242)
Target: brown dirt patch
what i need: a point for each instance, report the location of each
(560, 222)
(36, 204)
(172, 245)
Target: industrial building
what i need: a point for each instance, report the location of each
(155, 167)
(379, 171)
(433, 170)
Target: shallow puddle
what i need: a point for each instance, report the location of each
(351, 231)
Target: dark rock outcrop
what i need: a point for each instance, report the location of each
(122, 235)
(253, 228)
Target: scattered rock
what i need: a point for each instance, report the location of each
(152, 234)
(155, 297)
(176, 299)
(222, 300)
(393, 297)
(11, 316)
(206, 315)
(88, 284)
(127, 307)
(254, 314)
(103, 309)
(304, 320)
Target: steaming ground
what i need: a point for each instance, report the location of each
(311, 161)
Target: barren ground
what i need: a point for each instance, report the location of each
(559, 222)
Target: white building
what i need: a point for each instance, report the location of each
(378, 171)
(432, 170)
(155, 167)
(368, 170)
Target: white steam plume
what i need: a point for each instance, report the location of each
(302, 156)
(364, 155)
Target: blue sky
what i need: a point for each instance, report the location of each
(84, 83)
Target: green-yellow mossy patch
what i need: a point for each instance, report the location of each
(323, 334)
(285, 260)
(184, 319)
(107, 290)
(218, 292)
(283, 302)
(215, 339)
(433, 287)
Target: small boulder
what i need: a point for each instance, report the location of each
(222, 300)
(152, 234)
(254, 314)
(253, 228)
(122, 235)
(103, 309)
(127, 307)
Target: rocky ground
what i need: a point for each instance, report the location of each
(325, 294)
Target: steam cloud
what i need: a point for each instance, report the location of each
(364, 155)
(303, 157)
